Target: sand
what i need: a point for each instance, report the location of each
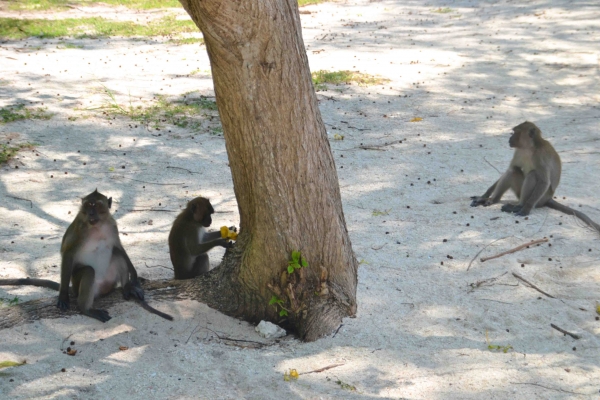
(433, 321)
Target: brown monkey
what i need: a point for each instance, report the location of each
(189, 241)
(94, 260)
(533, 174)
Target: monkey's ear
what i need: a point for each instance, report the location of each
(109, 202)
(532, 133)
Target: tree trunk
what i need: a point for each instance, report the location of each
(283, 171)
(284, 179)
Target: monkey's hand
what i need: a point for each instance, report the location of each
(63, 301)
(133, 288)
(225, 243)
(480, 201)
(512, 208)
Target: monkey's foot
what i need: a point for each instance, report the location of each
(133, 289)
(63, 305)
(100, 315)
(521, 212)
(511, 208)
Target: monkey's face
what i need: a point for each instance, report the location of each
(520, 139)
(94, 206)
(202, 210)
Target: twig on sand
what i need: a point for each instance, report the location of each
(521, 247)
(491, 165)
(20, 198)
(484, 247)
(574, 336)
(542, 386)
(322, 369)
(532, 285)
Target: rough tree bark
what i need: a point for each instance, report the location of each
(284, 179)
(283, 171)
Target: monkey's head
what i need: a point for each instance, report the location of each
(525, 136)
(95, 206)
(201, 210)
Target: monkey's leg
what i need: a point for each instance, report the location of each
(85, 299)
(201, 265)
(517, 187)
(129, 279)
(505, 182)
(535, 188)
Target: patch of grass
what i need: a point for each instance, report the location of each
(444, 10)
(308, 2)
(13, 28)
(185, 112)
(7, 152)
(322, 77)
(20, 112)
(42, 5)
(182, 41)
(71, 46)
(9, 302)
(201, 71)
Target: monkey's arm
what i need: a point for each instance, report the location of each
(210, 236)
(66, 269)
(195, 249)
(535, 187)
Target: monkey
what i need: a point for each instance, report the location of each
(533, 175)
(94, 261)
(189, 241)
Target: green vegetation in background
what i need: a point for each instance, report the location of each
(190, 40)
(320, 78)
(308, 2)
(42, 5)
(19, 112)
(12, 28)
(183, 112)
(7, 152)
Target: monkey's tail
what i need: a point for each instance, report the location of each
(153, 310)
(555, 205)
(31, 282)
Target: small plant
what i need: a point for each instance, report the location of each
(190, 40)
(377, 213)
(444, 10)
(321, 77)
(296, 262)
(20, 112)
(496, 347)
(278, 302)
(9, 302)
(7, 152)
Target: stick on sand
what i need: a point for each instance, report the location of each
(521, 247)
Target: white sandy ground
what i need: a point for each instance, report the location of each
(420, 331)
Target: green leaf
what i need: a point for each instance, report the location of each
(304, 263)
(296, 256)
(6, 364)
(290, 269)
(283, 313)
(275, 300)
